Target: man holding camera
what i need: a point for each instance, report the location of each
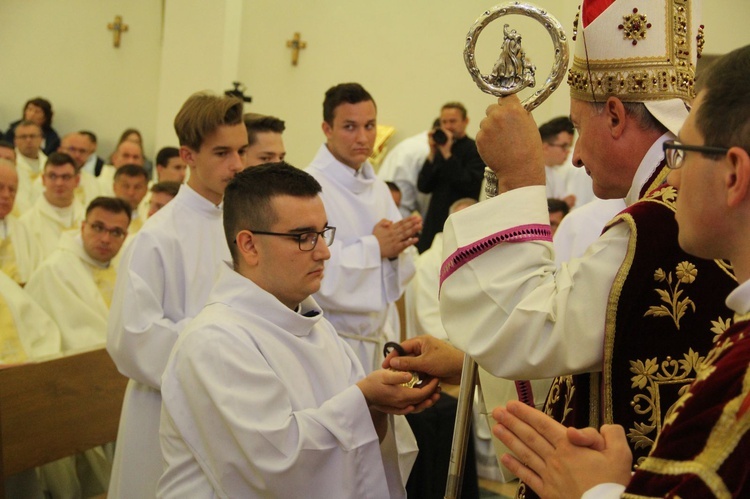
(452, 170)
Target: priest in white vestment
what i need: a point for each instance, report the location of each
(127, 153)
(74, 285)
(79, 147)
(582, 226)
(261, 398)
(30, 161)
(372, 259)
(164, 279)
(56, 210)
(26, 331)
(26, 334)
(131, 185)
(17, 251)
(401, 166)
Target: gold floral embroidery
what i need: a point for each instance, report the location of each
(685, 273)
(719, 326)
(666, 195)
(554, 395)
(649, 376)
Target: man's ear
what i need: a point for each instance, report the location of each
(615, 113)
(246, 249)
(327, 130)
(188, 156)
(738, 179)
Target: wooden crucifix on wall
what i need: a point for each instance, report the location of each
(296, 44)
(118, 28)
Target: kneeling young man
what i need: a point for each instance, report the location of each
(261, 398)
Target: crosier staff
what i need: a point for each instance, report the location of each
(511, 73)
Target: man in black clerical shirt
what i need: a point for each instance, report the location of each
(452, 170)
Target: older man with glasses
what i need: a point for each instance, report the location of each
(624, 327)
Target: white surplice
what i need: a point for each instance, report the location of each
(565, 180)
(88, 188)
(260, 401)
(511, 309)
(36, 331)
(45, 223)
(64, 286)
(582, 226)
(26, 254)
(401, 166)
(163, 281)
(359, 285)
(422, 308)
(28, 187)
(106, 180)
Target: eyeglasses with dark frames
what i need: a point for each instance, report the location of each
(100, 228)
(306, 240)
(674, 152)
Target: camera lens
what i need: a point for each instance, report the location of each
(439, 137)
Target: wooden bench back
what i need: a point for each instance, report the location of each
(53, 409)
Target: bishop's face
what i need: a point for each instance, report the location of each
(593, 151)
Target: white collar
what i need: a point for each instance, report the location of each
(650, 162)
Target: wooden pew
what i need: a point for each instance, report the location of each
(56, 408)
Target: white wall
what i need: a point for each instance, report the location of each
(63, 51)
(407, 53)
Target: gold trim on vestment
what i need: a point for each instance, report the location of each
(723, 440)
(611, 320)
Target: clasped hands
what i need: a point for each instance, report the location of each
(395, 237)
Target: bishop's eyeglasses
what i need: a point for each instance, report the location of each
(674, 151)
(305, 240)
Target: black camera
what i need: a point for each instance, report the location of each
(439, 137)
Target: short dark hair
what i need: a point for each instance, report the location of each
(91, 135)
(259, 123)
(131, 170)
(202, 114)
(7, 145)
(165, 154)
(60, 159)
(45, 106)
(113, 205)
(392, 186)
(349, 93)
(456, 105)
(28, 123)
(554, 205)
(129, 131)
(247, 198)
(167, 187)
(724, 115)
(554, 127)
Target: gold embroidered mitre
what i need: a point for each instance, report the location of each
(639, 51)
